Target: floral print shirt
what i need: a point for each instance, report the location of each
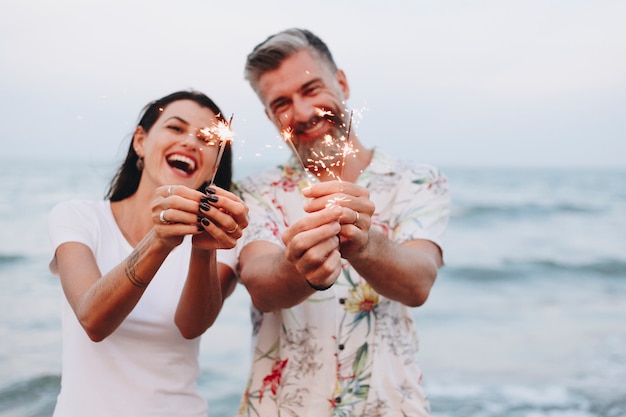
(347, 351)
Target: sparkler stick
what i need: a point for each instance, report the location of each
(224, 134)
(347, 147)
(287, 135)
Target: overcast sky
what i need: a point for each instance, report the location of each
(478, 83)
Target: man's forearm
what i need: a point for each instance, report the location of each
(400, 272)
(273, 283)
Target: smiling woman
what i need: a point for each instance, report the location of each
(118, 267)
(127, 179)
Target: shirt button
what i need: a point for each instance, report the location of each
(338, 400)
(342, 300)
(341, 346)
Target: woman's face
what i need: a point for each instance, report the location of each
(180, 148)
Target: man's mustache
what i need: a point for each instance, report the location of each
(302, 127)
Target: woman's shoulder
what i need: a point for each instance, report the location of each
(80, 208)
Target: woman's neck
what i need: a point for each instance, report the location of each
(133, 216)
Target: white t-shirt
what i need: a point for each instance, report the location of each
(145, 367)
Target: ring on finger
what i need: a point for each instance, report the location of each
(162, 217)
(169, 190)
(356, 219)
(234, 229)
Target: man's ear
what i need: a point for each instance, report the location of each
(342, 79)
(138, 138)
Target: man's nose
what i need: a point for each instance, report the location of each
(303, 110)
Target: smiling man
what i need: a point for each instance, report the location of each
(342, 241)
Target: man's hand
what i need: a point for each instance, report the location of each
(356, 212)
(312, 246)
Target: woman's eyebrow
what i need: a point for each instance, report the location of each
(177, 118)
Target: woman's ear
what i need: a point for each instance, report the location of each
(138, 138)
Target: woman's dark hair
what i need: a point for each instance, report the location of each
(126, 180)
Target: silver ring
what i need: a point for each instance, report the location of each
(169, 191)
(162, 217)
(357, 218)
(234, 229)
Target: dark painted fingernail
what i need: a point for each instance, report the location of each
(205, 207)
(200, 228)
(213, 198)
(204, 199)
(209, 190)
(205, 221)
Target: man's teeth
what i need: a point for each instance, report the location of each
(183, 159)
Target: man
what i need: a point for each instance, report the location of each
(342, 241)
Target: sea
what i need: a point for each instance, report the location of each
(526, 319)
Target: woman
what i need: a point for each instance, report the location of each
(144, 272)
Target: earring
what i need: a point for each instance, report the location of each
(139, 163)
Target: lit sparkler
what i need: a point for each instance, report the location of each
(330, 159)
(224, 135)
(287, 135)
(333, 158)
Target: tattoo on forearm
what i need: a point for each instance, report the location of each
(130, 270)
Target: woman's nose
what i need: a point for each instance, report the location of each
(190, 139)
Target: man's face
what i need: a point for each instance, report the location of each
(305, 100)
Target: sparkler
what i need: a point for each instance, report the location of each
(287, 135)
(225, 135)
(348, 149)
(329, 159)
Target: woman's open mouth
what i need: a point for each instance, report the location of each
(182, 163)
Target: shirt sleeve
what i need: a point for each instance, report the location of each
(427, 210)
(263, 220)
(71, 221)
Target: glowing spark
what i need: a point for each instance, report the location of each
(334, 201)
(329, 161)
(323, 113)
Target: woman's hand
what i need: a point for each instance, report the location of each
(216, 219)
(175, 213)
(222, 216)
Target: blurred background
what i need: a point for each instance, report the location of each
(520, 103)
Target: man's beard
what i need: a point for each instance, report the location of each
(323, 154)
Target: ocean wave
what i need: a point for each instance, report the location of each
(37, 395)
(532, 210)
(477, 400)
(605, 267)
(9, 259)
(610, 268)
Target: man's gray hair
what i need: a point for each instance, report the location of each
(269, 54)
